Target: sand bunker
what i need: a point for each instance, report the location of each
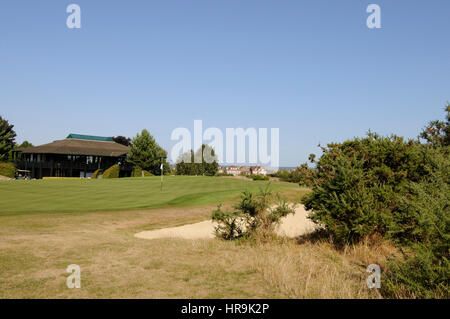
(290, 226)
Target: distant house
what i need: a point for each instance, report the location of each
(244, 170)
(76, 156)
(233, 170)
(258, 170)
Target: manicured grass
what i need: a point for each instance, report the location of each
(125, 193)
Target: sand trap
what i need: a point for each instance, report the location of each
(291, 226)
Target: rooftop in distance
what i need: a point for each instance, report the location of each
(90, 137)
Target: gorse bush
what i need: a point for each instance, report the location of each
(112, 172)
(423, 223)
(423, 214)
(397, 189)
(305, 176)
(8, 170)
(254, 215)
(359, 183)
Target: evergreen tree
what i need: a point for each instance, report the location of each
(7, 137)
(146, 153)
(208, 166)
(25, 144)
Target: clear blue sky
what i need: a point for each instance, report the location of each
(311, 68)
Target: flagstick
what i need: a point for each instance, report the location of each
(161, 174)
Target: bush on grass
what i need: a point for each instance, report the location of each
(397, 189)
(112, 172)
(253, 215)
(259, 177)
(360, 183)
(423, 224)
(8, 170)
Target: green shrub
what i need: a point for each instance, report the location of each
(112, 172)
(137, 172)
(259, 177)
(423, 222)
(359, 183)
(202, 162)
(421, 274)
(251, 216)
(97, 173)
(397, 189)
(304, 176)
(8, 170)
(423, 214)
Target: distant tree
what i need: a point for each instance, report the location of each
(122, 140)
(209, 161)
(146, 153)
(184, 165)
(7, 137)
(207, 166)
(25, 144)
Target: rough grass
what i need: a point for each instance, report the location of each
(125, 193)
(47, 225)
(35, 250)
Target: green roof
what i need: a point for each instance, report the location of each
(90, 137)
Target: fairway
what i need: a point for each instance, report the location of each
(125, 193)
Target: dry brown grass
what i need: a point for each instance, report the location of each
(35, 250)
(319, 270)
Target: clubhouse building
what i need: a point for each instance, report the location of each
(76, 156)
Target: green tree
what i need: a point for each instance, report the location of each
(25, 144)
(122, 140)
(208, 164)
(146, 153)
(7, 137)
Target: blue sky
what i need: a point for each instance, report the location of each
(310, 68)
